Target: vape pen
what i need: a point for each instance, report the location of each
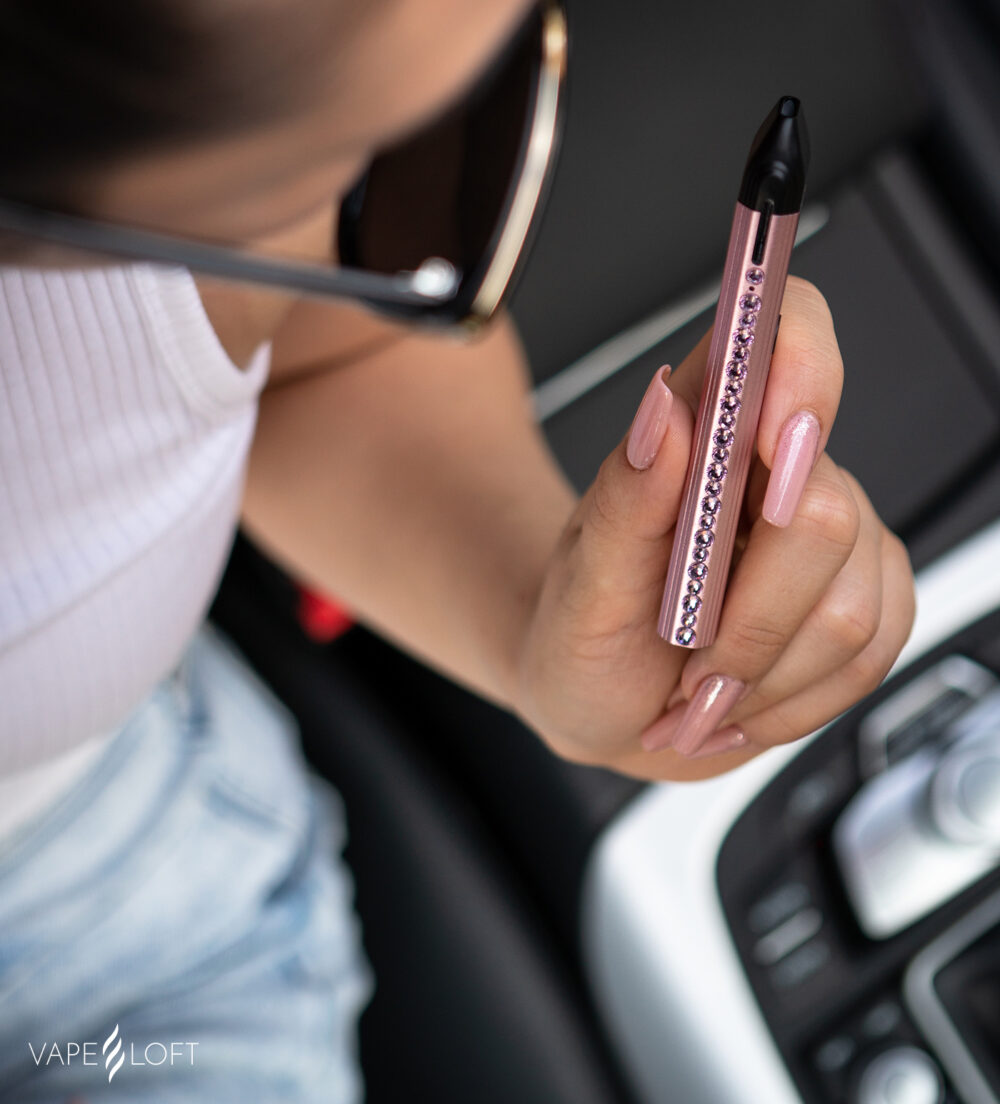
(739, 356)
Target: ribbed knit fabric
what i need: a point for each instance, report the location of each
(124, 432)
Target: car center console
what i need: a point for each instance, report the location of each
(823, 925)
(844, 879)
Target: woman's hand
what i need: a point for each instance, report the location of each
(818, 607)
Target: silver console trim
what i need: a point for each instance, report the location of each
(660, 960)
(954, 673)
(932, 1016)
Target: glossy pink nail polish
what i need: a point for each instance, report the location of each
(715, 697)
(798, 445)
(660, 733)
(649, 426)
(726, 739)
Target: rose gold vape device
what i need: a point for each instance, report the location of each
(746, 326)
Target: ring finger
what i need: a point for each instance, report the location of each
(840, 626)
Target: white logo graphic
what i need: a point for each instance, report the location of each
(116, 1053)
(116, 1050)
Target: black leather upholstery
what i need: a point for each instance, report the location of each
(664, 98)
(479, 995)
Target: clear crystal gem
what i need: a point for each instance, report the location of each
(755, 276)
(731, 403)
(704, 537)
(689, 620)
(710, 504)
(716, 470)
(713, 487)
(750, 302)
(743, 337)
(706, 521)
(726, 419)
(720, 454)
(699, 554)
(691, 604)
(685, 636)
(735, 370)
(748, 319)
(739, 353)
(695, 586)
(697, 571)
(723, 437)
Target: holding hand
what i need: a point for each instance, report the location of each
(819, 604)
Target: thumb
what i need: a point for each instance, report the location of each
(628, 513)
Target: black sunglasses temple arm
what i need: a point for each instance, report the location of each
(433, 282)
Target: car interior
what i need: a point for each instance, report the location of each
(822, 925)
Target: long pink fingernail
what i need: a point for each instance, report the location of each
(704, 713)
(726, 739)
(649, 426)
(794, 457)
(660, 733)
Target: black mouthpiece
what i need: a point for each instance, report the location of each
(775, 176)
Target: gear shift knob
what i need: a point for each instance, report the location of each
(920, 832)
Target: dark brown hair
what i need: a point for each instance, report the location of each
(83, 82)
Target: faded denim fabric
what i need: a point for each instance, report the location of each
(188, 890)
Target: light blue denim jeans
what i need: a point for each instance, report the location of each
(180, 926)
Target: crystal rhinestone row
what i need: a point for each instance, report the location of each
(723, 433)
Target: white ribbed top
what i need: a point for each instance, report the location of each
(124, 432)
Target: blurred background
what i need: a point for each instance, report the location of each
(469, 842)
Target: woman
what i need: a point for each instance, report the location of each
(169, 878)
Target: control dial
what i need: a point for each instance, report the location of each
(902, 1075)
(965, 793)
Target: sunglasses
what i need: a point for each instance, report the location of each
(437, 226)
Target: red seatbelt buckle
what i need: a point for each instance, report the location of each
(321, 618)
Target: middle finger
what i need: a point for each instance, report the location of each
(781, 576)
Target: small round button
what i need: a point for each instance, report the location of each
(979, 792)
(965, 794)
(902, 1075)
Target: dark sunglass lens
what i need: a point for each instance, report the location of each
(444, 192)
